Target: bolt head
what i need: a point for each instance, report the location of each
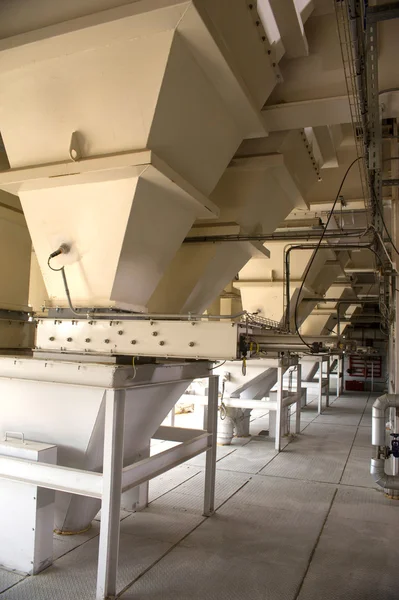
(69, 339)
(161, 343)
(120, 332)
(51, 339)
(191, 344)
(155, 333)
(87, 340)
(133, 342)
(106, 341)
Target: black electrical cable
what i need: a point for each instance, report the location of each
(64, 279)
(219, 365)
(52, 268)
(317, 248)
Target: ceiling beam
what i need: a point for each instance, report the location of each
(307, 113)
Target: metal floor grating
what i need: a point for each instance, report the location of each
(357, 546)
(302, 525)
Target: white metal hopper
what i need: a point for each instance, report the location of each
(262, 283)
(134, 112)
(15, 249)
(63, 403)
(263, 289)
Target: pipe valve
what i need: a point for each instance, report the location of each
(394, 450)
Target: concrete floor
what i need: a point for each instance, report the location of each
(307, 524)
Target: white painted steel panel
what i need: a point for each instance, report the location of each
(27, 512)
(170, 339)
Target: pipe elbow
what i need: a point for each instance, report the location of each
(378, 472)
(386, 401)
(380, 407)
(383, 480)
(381, 404)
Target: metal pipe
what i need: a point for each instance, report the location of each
(380, 407)
(361, 270)
(298, 235)
(287, 347)
(114, 316)
(377, 467)
(385, 481)
(339, 301)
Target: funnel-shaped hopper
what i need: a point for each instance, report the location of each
(197, 276)
(260, 378)
(262, 282)
(294, 147)
(104, 89)
(309, 370)
(123, 226)
(145, 410)
(263, 286)
(326, 313)
(15, 249)
(64, 404)
(255, 194)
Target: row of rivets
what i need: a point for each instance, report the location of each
(311, 155)
(107, 341)
(263, 37)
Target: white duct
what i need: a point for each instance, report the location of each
(377, 468)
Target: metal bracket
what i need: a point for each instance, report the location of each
(75, 151)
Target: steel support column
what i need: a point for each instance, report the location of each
(112, 492)
(320, 399)
(299, 399)
(341, 375)
(279, 411)
(210, 464)
(328, 372)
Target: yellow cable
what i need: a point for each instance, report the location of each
(60, 532)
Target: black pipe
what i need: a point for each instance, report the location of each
(270, 237)
(340, 301)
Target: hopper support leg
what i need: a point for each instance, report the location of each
(112, 493)
(211, 427)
